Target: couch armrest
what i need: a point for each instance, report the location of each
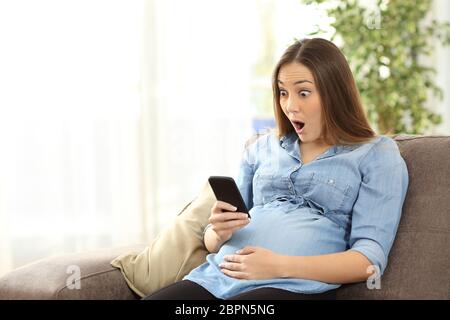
(53, 277)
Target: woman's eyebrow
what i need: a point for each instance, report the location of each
(297, 82)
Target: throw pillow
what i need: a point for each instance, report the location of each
(173, 253)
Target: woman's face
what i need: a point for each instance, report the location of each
(300, 101)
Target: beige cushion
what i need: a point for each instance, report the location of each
(174, 253)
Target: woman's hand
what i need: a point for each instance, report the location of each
(251, 263)
(225, 220)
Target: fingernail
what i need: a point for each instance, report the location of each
(239, 251)
(234, 208)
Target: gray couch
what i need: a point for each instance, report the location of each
(419, 262)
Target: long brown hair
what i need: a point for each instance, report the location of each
(344, 119)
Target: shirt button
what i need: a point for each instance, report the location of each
(331, 181)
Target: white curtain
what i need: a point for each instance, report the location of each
(196, 96)
(70, 112)
(5, 248)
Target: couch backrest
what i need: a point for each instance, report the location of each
(419, 262)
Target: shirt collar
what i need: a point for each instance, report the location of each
(289, 142)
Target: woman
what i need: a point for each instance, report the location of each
(325, 193)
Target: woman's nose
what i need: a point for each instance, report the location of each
(292, 106)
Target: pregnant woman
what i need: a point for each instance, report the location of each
(325, 192)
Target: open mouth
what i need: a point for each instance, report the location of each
(298, 125)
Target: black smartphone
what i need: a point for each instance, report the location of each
(226, 190)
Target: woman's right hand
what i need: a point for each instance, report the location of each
(225, 220)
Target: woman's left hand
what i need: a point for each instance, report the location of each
(251, 263)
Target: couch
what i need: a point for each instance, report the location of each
(419, 262)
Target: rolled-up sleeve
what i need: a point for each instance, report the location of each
(378, 207)
(244, 178)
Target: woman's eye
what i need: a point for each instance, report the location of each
(305, 93)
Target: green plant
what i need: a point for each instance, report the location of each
(386, 45)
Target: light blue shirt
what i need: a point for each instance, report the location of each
(349, 197)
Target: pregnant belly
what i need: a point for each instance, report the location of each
(298, 232)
